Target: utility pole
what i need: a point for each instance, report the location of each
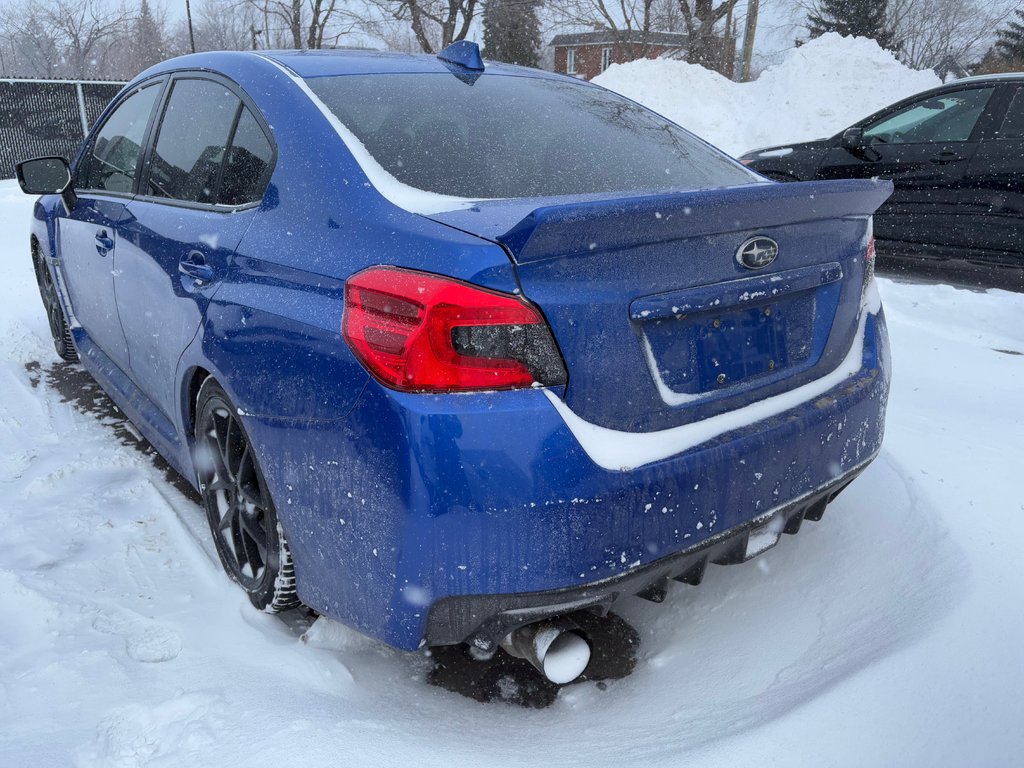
(748, 39)
(191, 34)
(728, 46)
(255, 35)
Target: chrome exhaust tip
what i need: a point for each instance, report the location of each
(556, 647)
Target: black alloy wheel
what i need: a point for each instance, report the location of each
(245, 528)
(59, 330)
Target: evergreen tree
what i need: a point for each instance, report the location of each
(147, 45)
(1010, 40)
(512, 32)
(853, 18)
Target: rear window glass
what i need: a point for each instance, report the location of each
(1013, 124)
(246, 163)
(505, 136)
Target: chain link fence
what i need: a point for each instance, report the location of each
(47, 117)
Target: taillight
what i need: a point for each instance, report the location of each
(869, 261)
(420, 332)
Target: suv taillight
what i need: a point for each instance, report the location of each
(869, 255)
(420, 332)
(869, 261)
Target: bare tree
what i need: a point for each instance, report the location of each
(309, 24)
(71, 38)
(931, 31)
(29, 47)
(435, 23)
(667, 17)
(86, 27)
(224, 25)
(701, 17)
(394, 34)
(280, 16)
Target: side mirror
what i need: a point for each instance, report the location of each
(46, 176)
(853, 138)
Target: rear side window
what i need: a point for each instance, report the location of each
(192, 141)
(113, 157)
(1013, 123)
(504, 136)
(247, 164)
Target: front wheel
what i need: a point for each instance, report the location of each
(245, 528)
(59, 329)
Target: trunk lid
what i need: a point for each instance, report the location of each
(659, 320)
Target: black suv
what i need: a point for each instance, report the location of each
(956, 156)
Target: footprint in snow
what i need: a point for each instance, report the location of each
(144, 639)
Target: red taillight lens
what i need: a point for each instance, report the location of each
(869, 261)
(420, 332)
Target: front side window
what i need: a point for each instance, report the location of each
(192, 140)
(510, 137)
(944, 118)
(111, 161)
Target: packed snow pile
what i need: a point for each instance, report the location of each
(818, 89)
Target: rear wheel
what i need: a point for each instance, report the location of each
(59, 330)
(248, 536)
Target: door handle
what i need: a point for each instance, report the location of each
(194, 265)
(946, 157)
(103, 242)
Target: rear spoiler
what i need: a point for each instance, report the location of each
(609, 224)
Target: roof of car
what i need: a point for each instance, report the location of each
(325, 63)
(987, 78)
(322, 63)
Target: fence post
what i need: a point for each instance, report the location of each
(81, 110)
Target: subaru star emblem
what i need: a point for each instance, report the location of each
(757, 252)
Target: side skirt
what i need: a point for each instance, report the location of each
(139, 409)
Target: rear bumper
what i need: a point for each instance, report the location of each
(483, 620)
(421, 519)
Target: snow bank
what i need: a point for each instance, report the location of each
(818, 89)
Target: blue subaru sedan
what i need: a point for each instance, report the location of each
(454, 351)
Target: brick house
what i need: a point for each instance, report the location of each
(588, 54)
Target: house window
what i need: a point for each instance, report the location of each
(606, 58)
(570, 61)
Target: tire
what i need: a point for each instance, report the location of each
(246, 531)
(59, 329)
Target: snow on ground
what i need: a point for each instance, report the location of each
(815, 92)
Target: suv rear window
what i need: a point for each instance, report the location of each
(507, 136)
